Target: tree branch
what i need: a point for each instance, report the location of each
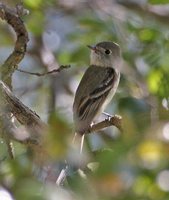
(115, 120)
(12, 17)
(23, 114)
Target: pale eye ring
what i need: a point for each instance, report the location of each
(107, 51)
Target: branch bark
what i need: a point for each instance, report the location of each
(13, 19)
(23, 114)
(115, 120)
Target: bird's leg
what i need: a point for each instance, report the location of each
(107, 115)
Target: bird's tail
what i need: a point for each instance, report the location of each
(78, 141)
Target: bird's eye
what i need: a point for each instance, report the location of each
(107, 51)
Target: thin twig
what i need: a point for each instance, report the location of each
(62, 67)
(62, 176)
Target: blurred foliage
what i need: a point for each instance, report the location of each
(55, 138)
(159, 1)
(125, 166)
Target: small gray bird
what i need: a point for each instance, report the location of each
(98, 85)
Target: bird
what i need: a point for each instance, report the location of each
(97, 86)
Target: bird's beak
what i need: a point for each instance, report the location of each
(94, 48)
(91, 47)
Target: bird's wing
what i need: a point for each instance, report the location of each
(94, 91)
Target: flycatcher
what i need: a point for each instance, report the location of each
(97, 86)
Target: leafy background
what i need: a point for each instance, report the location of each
(129, 165)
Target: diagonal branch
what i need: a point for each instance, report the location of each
(23, 114)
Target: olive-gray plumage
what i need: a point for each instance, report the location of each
(98, 85)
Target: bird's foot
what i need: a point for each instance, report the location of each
(108, 116)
